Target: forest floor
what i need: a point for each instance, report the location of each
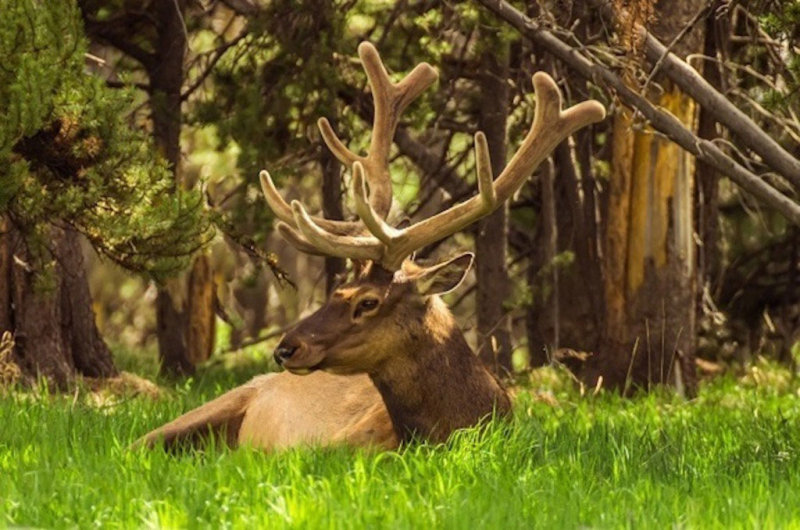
(728, 459)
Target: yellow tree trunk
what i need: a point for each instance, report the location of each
(649, 265)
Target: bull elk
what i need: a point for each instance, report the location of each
(383, 360)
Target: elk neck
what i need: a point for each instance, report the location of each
(433, 383)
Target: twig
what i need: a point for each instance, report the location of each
(628, 379)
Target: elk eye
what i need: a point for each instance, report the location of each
(365, 305)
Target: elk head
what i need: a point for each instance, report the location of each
(392, 307)
(366, 322)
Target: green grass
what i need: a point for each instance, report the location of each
(726, 460)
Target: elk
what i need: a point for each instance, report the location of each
(382, 361)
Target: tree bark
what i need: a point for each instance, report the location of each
(201, 317)
(542, 319)
(90, 355)
(185, 307)
(50, 311)
(493, 284)
(170, 325)
(707, 177)
(650, 267)
(6, 322)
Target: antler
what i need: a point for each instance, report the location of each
(390, 246)
(390, 99)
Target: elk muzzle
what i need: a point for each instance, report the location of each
(284, 352)
(296, 356)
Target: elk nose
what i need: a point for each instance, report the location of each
(284, 352)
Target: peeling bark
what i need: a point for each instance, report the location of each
(200, 329)
(650, 264)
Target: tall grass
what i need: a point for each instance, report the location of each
(726, 460)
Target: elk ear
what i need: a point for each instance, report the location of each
(443, 277)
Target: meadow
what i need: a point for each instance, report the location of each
(728, 459)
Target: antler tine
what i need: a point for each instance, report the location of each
(374, 222)
(283, 211)
(296, 240)
(483, 167)
(550, 126)
(330, 244)
(390, 99)
(314, 239)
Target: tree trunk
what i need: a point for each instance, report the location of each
(493, 284)
(568, 221)
(50, 312)
(542, 319)
(90, 355)
(707, 177)
(201, 317)
(185, 307)
(650, 268)
(170, 325)
(331, 209)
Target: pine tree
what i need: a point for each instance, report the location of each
(72, 168)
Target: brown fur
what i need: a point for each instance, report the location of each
(276, 411)
(437, 385)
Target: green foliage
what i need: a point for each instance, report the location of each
(726, 460)
(68, 157)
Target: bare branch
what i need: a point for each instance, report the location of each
(692, 83)
(725, 112)
(662, 121)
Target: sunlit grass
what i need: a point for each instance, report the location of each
(728, 459)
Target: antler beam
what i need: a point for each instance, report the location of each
(391, 99)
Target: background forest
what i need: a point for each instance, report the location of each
(659, 246)
(138, 130)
